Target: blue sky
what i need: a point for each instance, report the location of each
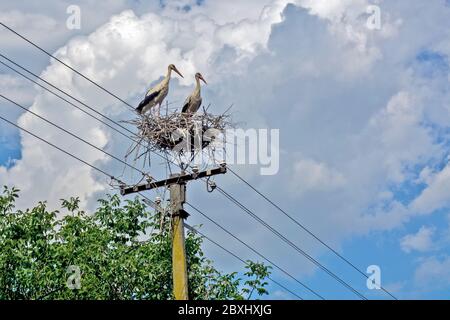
(363, 116)
(9, 152)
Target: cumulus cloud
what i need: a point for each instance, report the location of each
(38, 20)
(365, 110)
(127, 47)
(38, 25)
(359, 113)
(17, 88)
(436, 194)
(311, 175)
(420, 241)
(394, 129)
(433, 272)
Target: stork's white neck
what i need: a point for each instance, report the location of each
(169, 73)
(198, 86)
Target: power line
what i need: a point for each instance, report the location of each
(73, 135)
(313, 260)
(240, 259)
(255, 251)
(305, 229)
(65, 64)
(68, 132)
(75, 106)
(113, 178)
(65, 93)
(290, 243)
(60, 149)
(112, 94)
(78, 137)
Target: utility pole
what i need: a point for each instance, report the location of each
(179, 263)
(177, 187)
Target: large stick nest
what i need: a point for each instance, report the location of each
(164, 132)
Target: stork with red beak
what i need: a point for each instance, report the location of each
(194, 101)
(156, 95)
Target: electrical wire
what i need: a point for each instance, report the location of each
(77, 107)
(112, 177)
(255, 251)
(65, 93)
(240, 259)
(291, 244)
(305, 229)
(222, 191)
(73, 135)
(60, 149)
(65, 64)
(309, 257)
(107, 91)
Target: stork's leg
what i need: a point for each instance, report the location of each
(159, 109)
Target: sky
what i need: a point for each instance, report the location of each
(363, 113)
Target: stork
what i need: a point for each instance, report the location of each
(156, 95)
(194, 101)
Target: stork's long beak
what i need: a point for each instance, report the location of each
(176, 70)
(201, 78)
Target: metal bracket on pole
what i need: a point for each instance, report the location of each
(185, 177)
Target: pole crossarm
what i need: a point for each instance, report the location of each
(184, 177)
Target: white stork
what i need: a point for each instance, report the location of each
(157, 94)
(194, 101)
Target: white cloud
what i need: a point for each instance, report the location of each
(310, 175)
(436, 194)
(433, 272)
(36, 25)
(335, 9)
(129, 47)
(394, 129)
(420, 241)
(369, 123)
(350, 98)
(17, 88)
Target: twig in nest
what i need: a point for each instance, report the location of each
(164, 133)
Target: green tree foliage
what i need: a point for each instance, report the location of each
(120, 251)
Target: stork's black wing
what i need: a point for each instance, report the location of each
(186, 105)
(147, 100)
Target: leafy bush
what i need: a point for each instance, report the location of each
(120, 251)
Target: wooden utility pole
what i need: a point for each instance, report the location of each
(179, 263)
(177, 186)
